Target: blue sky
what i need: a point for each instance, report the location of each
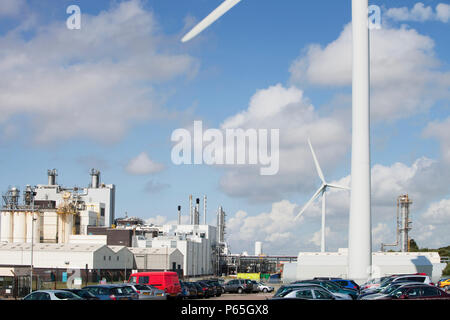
(116, 89)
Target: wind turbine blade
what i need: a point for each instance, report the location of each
(319, 171)
(210, 19)
(338, 186)
(310, 201)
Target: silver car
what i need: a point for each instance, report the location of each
(52, 295)
(147, 292)
(262, 287)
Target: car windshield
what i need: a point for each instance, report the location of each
(386, 282)
(330, 286)
(390, 288)
(128, 290)
(67, 295)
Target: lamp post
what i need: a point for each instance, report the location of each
(32, 241)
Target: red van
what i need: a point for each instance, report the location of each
(167, 281)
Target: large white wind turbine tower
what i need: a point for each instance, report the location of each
(360, 233)
(321, 191)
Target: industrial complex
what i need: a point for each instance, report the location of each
(50, 231)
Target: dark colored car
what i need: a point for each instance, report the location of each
(193, 289)
(110, 292)
(421, 292)
(217, 285)
(348, 284)
(303, 292)
(333, 287)
(207, 290)
(200, 292)
(239, 286)
(85, 294)
(187, 290)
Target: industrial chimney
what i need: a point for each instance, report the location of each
(52, 177)
(95, 178)
(204, 209)
(179, 215)
(197, 213)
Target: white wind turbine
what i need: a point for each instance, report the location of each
(360, 230)
(321, 191)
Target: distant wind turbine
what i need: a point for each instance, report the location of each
(321, 191)
(360, 230)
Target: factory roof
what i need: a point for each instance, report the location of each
(162, 251)
(52, 247)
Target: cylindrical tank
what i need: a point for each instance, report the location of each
(6, 227)
(19, 227)
(258, 248)
(33, 228)
(65, 224)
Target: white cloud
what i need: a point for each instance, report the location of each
(421, 13)
(288, 110)
(443, 12)
(404, 76)
(441, 131)
(11, 7)
(72, 83)
(142, 165)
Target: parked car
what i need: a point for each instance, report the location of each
(421, 291)
(200, 292)
(348, 284)
(334, 288)
(185, 291)
(239, 286)
(109, 292)
(255, 286)
(262, 287)
(304, 291)
(128, 289)
(52, 295)
(85, 294)
(422, 278)
(444, 283)
(193, 290)
(386, 291)
(208, 290)
(147, 292)
(218, 287)
(167, 281)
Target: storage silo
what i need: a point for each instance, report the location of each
(19, 227)
(33, 228)
(6, 227)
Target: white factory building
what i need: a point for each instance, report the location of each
(66, 256)
(51, 213)
(157, 258)
(195, 242)
(335, 264)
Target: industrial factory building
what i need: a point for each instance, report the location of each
(51, 213)
(153, 259)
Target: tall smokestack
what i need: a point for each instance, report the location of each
(95, 178)
(204, 209)
(179, 215)
(196, 214)
(52, 177)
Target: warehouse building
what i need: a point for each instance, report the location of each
(158, 259)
